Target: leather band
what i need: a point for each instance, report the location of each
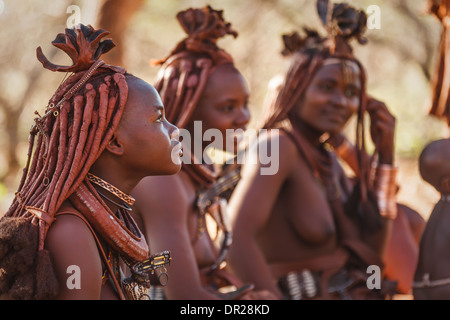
(115, 233)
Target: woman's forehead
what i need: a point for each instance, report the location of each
(225, 79)
(334, 67)
(142, 94)
(223, 71)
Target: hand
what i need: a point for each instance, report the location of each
(382, 130)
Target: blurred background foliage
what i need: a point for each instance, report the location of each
(400, 59)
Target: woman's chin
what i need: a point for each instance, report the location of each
(173, 169)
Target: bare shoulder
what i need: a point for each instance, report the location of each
(278, 138)
(276, 152)
(163, 205)
(157, 188)
(156, 184)
(69, 230)
(160, 196)
(258, 190)
(73, 248)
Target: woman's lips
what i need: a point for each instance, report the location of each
(336, 117)
(177, 147)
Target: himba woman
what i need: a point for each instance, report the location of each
(202, 91)
(69, 233)
(307, 232)
(432, 277)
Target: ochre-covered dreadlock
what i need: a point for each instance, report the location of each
(184, 73)
(440, 106)
(64, 143)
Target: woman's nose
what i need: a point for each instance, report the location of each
(174, 132)
(339, 99)
(243, 117)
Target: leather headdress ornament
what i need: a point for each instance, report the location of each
(341, 22)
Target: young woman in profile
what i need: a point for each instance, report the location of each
(69, 233)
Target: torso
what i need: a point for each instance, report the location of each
(205, 249)
(301, 215)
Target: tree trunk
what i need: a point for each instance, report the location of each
(114, 17)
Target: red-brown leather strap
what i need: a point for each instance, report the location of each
(105, 222)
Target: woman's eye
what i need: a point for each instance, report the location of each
(351, 93)
(227, 108)
(160, 118)
(326, 87)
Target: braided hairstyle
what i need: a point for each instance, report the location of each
(64, 143)
(184, 72)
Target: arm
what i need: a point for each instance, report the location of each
(250, 207)
(71, 243)
(382, 131)
(164, 209)
(401, 250)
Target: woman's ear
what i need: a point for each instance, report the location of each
(114, 146)
(445, 185)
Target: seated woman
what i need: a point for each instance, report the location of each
(203, 93)
(308, 232)
(432, 277)
(69, 233)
